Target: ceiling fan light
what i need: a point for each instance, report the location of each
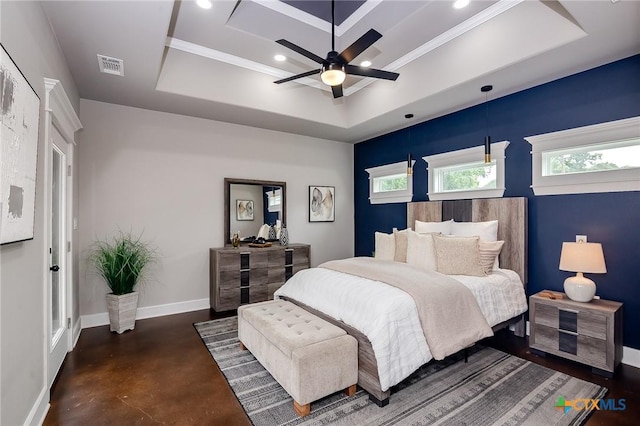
(333, 75)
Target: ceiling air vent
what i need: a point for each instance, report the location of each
(109, 65)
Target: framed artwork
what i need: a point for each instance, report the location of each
(20, 109)
(322, 206)
(244, 209)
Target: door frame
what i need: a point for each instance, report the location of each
(59, 113)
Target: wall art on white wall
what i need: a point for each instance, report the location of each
(20, 109)
(244, 209)
(322, 207)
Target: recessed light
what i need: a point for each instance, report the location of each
(205, 4)
(280, 58)
(365, 63)
(459, 4)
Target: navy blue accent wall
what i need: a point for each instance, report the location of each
(610, 92)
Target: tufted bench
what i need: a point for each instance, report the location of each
(308, 356)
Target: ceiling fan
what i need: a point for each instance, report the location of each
(336, 66)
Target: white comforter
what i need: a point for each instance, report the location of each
(388, 316)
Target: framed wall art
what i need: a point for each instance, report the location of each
(322, 206)
(20, 109)
(244, 209)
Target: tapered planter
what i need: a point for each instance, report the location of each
(122, 311)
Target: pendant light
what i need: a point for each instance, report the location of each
(487, 138)
(409, 165)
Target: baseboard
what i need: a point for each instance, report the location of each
(75, 333)
(39, 410)
(630, 356)
(102, 318)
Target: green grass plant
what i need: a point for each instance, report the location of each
(122, 260)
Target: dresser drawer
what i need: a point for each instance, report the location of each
(583, 322)
(580, 348)
(237, 279)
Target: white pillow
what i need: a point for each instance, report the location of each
(385, 248)
(401, 245)
(443, 228)
(421, 251)
(487, 231)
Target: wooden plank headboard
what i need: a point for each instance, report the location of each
(511, 214)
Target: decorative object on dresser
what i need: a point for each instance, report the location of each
(590, 333)
(581, 257)
(284, 235)
(122, 261)
(250, 275)
(322, 206)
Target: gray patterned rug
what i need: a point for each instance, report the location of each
(492, 388)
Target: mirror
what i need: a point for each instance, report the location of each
(251, 203)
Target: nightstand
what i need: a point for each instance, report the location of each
(590, 333)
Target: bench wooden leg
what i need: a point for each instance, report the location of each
(350, 391)
(242, 347)
(302, 410)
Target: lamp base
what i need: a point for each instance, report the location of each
(579, 288)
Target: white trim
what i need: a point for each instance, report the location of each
(314, 21)
(75, 333)
(630, 356)
(39, 409)
(248, 64)
(466, 156)
(64, 117)
(581, 183)
(401, 196)
(95, 320)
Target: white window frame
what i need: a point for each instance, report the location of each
(460, 158)
(274, 208)
(401, 196)
(616, 180)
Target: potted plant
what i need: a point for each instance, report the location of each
(122, 261)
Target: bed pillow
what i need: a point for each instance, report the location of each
(402, 244)
(421, 251)
(458, 256)
(431, 227)
(487, 231)
(385, 246)
(489, 251)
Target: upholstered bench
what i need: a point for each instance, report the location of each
(308, 356)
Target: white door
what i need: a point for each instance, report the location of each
(58, 288)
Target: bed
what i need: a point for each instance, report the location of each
(373, 374)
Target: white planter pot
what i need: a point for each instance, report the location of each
(122, 311)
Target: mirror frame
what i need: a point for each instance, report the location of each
(227, 204)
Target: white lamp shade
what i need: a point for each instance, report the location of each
(582, 257)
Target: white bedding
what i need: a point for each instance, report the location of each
(388, 316)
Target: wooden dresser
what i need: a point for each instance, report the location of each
(249, 275)
(590, 333)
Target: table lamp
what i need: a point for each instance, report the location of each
(580, 258)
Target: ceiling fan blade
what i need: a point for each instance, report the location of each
(337, 91)
(300, 50)
(370, 72)
(294, 77)
(360, 45)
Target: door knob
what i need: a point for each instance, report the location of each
(54, 268)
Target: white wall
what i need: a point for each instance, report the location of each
(164, 174)
(26, 35)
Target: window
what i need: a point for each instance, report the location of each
(390, 183)
(274, 198)
(600, 158)
(464, 174)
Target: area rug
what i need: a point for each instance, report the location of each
(491, 388)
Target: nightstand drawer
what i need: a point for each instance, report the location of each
(583, 322)
(583, 348)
